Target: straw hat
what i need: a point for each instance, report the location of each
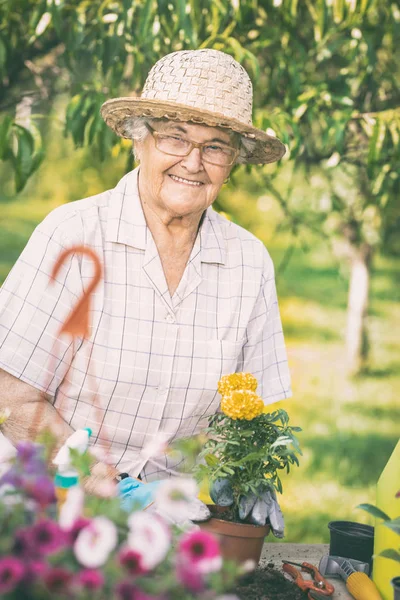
(201, 86)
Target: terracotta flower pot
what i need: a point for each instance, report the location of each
(239, 541)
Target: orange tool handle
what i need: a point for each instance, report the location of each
(297, 577)
(305, 585)
(318, 578)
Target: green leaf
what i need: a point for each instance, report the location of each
(3, 55)
(394, 525)
(24, 156)
(143, 26)
(211, 460)
(390, 553)
(374, 511)
(81, 461)
(5, 128)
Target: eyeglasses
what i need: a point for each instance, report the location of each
(211, 152)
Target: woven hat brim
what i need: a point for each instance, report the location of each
(268, 148)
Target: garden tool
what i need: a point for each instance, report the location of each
(317, 587)
(353, 573)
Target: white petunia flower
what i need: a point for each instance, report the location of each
(149, 536)
(174, 497)
(95, 542)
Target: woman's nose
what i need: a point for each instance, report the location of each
(193, 161)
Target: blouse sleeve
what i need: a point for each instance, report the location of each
(33, 308)
(264, 352)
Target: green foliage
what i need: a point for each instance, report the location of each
(23, 147)
(326, 74)
(393, 524)
(250, 453)
(81, 461)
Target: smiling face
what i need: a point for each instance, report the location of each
(176, 186)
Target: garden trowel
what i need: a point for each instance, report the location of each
(354, 573)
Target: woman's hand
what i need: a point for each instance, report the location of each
(101, 482)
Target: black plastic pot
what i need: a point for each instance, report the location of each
(351, 540)
(396, 586)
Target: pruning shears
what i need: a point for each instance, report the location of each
(317, 587)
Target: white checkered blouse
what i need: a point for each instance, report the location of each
(153, 361)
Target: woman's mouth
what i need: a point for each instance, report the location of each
(186, 181)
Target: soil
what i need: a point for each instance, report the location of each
(266, 583)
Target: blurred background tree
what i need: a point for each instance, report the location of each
(326, 77)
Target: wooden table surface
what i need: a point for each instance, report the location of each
(312, 553)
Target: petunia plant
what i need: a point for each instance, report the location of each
(246, 448)
(91, 548)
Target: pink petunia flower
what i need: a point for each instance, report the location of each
(58, 580)
(190, 577)
(46, 536)
(90, 579)
(132, 561)
(200, 550)
(11, 572)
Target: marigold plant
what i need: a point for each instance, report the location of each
(246, 445)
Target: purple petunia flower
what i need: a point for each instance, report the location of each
(40, 489)
(12, 477)
(11, 573)
(46, 536)
(58, 580)
(23, 543)
(28, 451)
(76, 528)
(34, 569)
(90, 579)
(127, 591)
(132, 561)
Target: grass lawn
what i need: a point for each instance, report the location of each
(349, 427)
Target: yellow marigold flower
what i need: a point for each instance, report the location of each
(242, 404)
(237, 381)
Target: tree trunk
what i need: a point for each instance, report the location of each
(357, 309)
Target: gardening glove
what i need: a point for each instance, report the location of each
(221, 492)
(258, 510)
(267, 507)
(134, 494)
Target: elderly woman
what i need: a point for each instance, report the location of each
(187, 295)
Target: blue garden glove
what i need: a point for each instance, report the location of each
(257, 510)
(134, 494)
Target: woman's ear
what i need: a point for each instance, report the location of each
(136, 151)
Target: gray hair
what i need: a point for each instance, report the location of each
(135, 128)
